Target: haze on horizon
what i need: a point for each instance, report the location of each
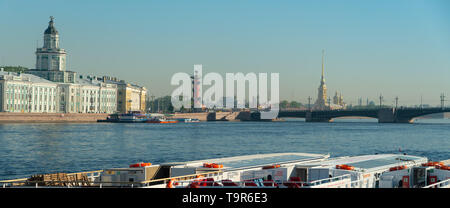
(396, 48)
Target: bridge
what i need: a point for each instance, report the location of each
(384, 115)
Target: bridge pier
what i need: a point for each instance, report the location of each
(386, 116)
(391, 116)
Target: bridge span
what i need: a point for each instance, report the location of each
(384, 115)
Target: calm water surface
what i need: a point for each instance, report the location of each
(27, 149)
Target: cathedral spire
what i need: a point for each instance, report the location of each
(321, 102)
(323, 77)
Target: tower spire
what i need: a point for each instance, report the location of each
(323, 54)
(321, 102)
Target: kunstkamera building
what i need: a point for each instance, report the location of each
(53, 89)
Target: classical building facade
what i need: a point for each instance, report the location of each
(27, 93)
(30, 93)
(130, 97)
(88, 96)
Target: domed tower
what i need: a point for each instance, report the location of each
(50, 57)
(51, 36)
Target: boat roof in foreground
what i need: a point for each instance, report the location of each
(257, 160)
(371, 162)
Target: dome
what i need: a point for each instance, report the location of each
(51, 29)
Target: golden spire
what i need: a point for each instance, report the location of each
(323, 73)
(323, 54)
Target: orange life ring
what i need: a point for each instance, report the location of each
(431, 163)
(271, 166)
(171, 183)
(140, 165)
(212, 165)
(350, 167)
(345, 167)
(401, 167)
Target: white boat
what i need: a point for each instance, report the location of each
(277, 170)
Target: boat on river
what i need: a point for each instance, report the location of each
(129, 117)
(160, 118)
(139, 117)
(187, 120)
(276, 170)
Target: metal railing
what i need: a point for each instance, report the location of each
(265, 184)
(165, 181)
(231, 184)
(92, 175)
(442, 184)
(328, 180)
(364, 183)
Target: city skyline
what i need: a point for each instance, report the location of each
(391, 48)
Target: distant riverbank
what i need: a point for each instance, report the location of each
(6, 117)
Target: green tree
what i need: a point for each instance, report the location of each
(284, 104)
(16, 69)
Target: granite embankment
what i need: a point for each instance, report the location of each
(50, 117)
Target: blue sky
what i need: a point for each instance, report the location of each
(397, 48)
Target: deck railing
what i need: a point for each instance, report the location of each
(264, 184)
(442, 184)
(328, 180)
(220, 184)
(364, 183)
(92, 175)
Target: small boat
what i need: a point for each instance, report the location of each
(188, 120)
(160, 120)
(192, 120)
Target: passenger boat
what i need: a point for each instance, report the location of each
(133, 117)
(277, 170)
(111, 118)
(130, 117)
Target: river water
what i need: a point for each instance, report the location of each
(27, 149)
